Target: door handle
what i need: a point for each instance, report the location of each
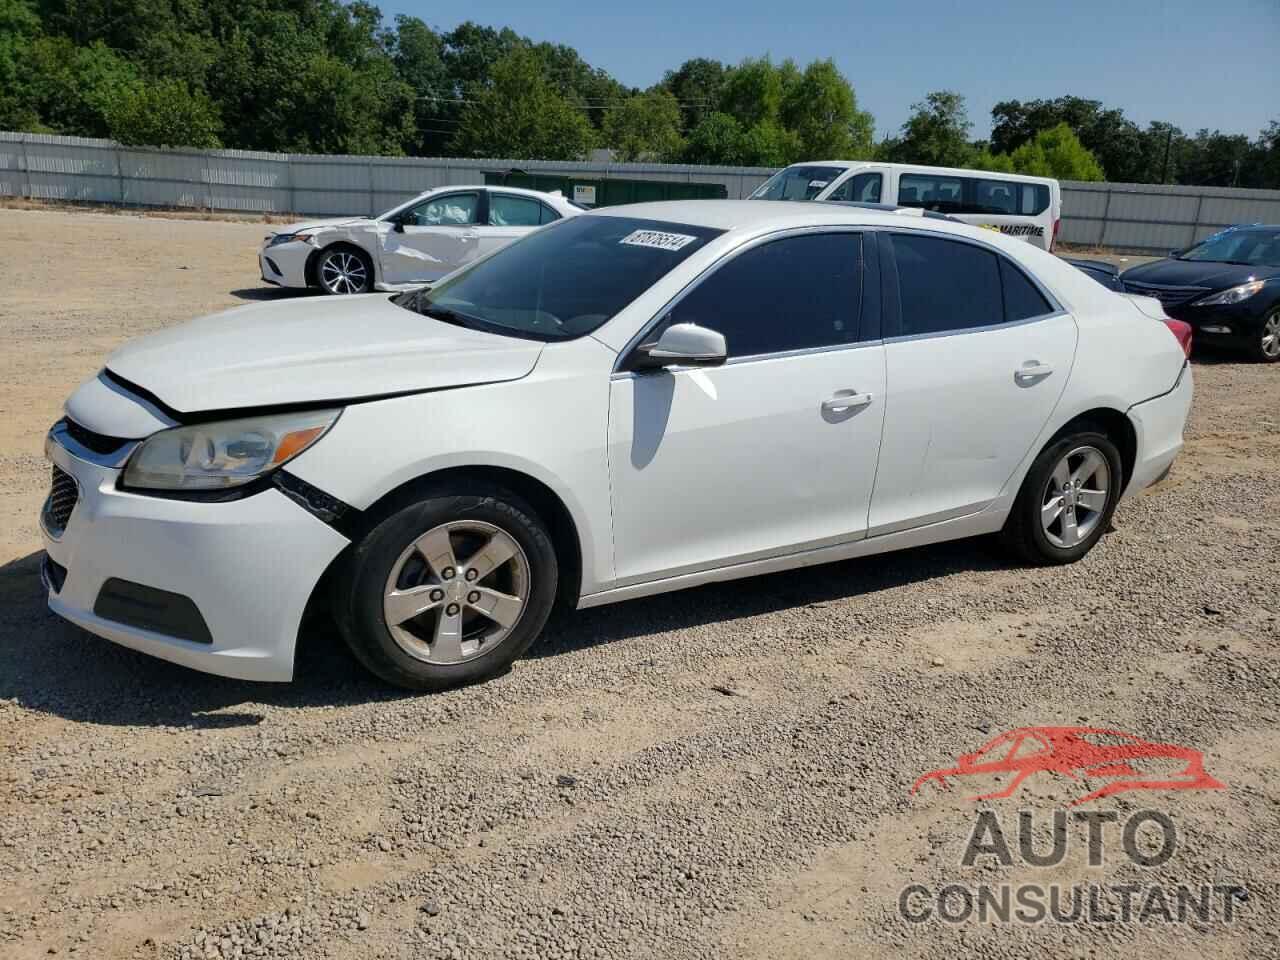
(1033, 371)
(846, 400)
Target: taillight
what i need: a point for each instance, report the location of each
(1182, 333)
(1053, 240)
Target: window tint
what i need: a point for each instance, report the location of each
(996, 196)
(1035, 198)
(862, 188)
(944, 194)
(1021, 298)
(790, 294)
(547, 215)
(973, 195)
(454, 210)
(508, 211)
(946, 285)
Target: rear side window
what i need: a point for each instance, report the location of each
(790, 294)
(1021, 298)
(548, 214)
(508, 211)
(946, 285)
(972, 195)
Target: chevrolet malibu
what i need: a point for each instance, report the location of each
(628, 402)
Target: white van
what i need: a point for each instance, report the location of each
(1020, 206)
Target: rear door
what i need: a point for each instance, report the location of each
(510, 216)
(432, 238)
(775, 451)
(976, 357)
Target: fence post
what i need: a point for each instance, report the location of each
(369, 168)
(26, 166)
(1106, 210)
(119, 175)
(1195, 227)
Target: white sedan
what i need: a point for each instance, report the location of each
(629, 402)
(417, 242)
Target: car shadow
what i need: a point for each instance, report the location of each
(258, 294)
(51, 666)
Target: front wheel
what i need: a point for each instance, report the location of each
(1066, 500)
(1266, 347)
(449, 590)
(343, 270)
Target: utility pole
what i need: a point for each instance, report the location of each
(1168, 144)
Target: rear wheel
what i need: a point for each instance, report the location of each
(343, 270)
(1066, 500)
(449, 590)
(1266, 347)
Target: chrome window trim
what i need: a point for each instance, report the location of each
(756, 358)
(715, 266)
(60, 435)
(986, 328)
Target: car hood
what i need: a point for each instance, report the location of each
(314, 350)
(304, 226)
(1191, 273)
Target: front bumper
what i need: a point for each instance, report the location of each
(285, 264)
(248, 566)
(1240, 323)
(1158, 424)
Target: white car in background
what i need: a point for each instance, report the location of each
(414, 243)
(632, 401)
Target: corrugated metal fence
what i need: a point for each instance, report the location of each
(1134, 217)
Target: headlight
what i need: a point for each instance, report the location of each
(216, 456)
(279, 238)
(1234, 295)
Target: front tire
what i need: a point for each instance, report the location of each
(1266, 345)
(449, 590)
(1066, 500)
(344, 270)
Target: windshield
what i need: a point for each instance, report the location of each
(562, 281)
(797, 183)
(1259, 248)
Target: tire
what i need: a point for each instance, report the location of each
(425, 555)
(1034, 532)
(1266, 342)
(344, 270)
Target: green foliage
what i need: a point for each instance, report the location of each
(520, 115)
(936, 133)
(697, 84)
(165, 113)
(822, 110)
(718, 139)
(645, 127)
(19, 25)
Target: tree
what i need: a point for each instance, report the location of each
(70, 88)
(718, 139)
(19, 25)
(936, 133)
(754, 90)
(418, 54)
(697, 85)
(1114, 140)
(822, 111)
(521, 116)
(164, 113)
(769, 144)
(1057, 153)
(645, 127)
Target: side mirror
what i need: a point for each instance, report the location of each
(682, 344)
(397, 225)
(1176, 253)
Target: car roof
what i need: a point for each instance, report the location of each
(519, 191)
(923, 168)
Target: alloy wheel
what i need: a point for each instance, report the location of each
(443, 610)
(343, 272)
(1270, 343)
(1075, 496)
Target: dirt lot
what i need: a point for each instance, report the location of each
(721, 772)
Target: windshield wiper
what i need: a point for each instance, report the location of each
(445, 315)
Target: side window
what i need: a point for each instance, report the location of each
(1035, 198)
(862, 187)
(995, 196)
(791, 294)
(454, 210)
(1021, 298)
(508, 211)
(946, 285)
(941, 194)
(546, 214)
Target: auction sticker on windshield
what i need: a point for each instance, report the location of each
(657, 239)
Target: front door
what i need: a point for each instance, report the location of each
(773, 452)
(976, 357)
(432, 238)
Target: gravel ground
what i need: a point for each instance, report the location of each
(720, 772)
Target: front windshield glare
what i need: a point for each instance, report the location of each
(564, 280)
(1249, 247)
(797, 183)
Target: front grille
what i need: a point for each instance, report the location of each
(62, 500)
(97, 442)
(1169, 296)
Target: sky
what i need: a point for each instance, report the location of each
(1211, 63)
